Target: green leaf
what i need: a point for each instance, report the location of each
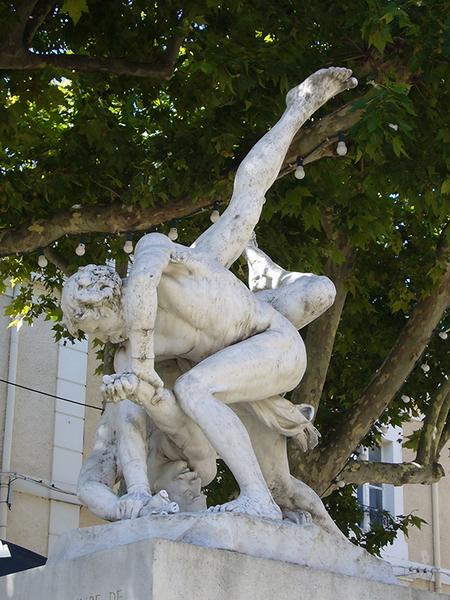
(75, 8)
(445, 187)
(380, 37)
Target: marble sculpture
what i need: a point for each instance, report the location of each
(204, 361)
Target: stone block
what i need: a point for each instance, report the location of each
(156, 569)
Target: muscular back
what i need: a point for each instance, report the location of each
(203, 308)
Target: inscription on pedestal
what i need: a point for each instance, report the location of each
(111, 595)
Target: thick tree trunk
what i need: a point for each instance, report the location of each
(433, 425)
(320, 337)
(322, 465)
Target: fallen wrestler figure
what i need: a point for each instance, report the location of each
(238, 349)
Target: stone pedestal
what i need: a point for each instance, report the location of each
(106, 563)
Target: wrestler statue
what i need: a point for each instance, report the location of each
(204, 361)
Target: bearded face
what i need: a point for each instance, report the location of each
(92, 302)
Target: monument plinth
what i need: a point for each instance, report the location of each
(206, 557)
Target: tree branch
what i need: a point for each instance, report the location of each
(324, 462)
(117, 217)
(14, 53)
(112, 218)
(445, 436)
(14, 40)
(363, 471)
(58, 260)
(433, 425)
(320, 139)
(160, 69)
(40, 13)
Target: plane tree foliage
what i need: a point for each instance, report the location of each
(117, 121)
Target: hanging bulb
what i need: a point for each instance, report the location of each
(341, 148)
(425, 368)
(215, 215)
(128, 246)
(299, 171)
(405, 399)
(443, 335)
(173, 231)
(80, 250)
(42, 259)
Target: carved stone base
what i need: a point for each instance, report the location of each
(306, 544)
(166, 570)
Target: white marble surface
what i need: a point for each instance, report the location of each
(238, 346)
(167, 570)
(306, 544)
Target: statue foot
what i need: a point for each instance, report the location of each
(299, 517)
(249, 506)
(321, 86)
(159, 504)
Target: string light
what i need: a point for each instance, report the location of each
(173, 231)
(443, 335)
(425, 368)
(80, 250)
(42, 259)
(300, 170)
(128, 246)
(215, 215)
(341, 148)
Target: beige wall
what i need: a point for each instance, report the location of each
(34, 413)
(28, 522)
(418, 499)
(5, 336)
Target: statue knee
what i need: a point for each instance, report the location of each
(325, 292)
(187, 389)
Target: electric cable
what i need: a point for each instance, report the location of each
(24, 387)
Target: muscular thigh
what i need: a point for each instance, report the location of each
(264, 365)
(301, 299)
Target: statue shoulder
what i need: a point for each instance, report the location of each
(153, 240)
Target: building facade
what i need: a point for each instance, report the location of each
(44, 438)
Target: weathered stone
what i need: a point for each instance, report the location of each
(306, 544)
(167, 570)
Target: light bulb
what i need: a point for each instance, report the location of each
(425, 368)
(405, 399)
(443, 335)
(173, 234)
(80, 249)
(341, 148)
(215, 216)
(128, 247)
(42, 260)
(299, 172)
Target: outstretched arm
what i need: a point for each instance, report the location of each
(226, 239)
